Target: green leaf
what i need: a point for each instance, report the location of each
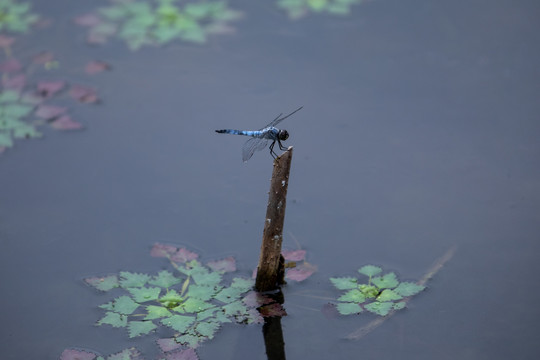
(194, 34)
(145, 294)
(348, 308)
(178, 322)
(389, 295)
(205, 314)
(228, 295)
(317, 5)
(171, 299)
(105, 283)
(156, 312)
(400, 305)
(9, 96)
(114, 319)
(16, 110)
(191, 341)
(124, 305)
(5, 140)
(235, 308)
(369, 291)
(387, 281)
(353, 295)
(408, 289)
(165, 279)
(202, 292)
(26, 131)
(243, 283)
(136, 328)
(207, 328)
(344, 283)
(128, 279)
(380, 308)
(203, 277)
(369, 270)
(192, 305)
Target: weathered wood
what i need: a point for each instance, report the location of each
(268, 270)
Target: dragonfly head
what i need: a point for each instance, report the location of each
(283, 135)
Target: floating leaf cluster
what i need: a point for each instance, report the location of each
(27, 106)
(78, 354)
(299, 8)
(194, 301)
(16, 16)
(380, 295)
(157, 22)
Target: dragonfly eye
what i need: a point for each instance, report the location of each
(283, 135)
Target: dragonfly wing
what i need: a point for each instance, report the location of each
(279, 119)
(252, 145)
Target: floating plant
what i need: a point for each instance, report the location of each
(157, 22)
(299, 8)
(380, 295)
(16, 16)
(26, 106)
(194, 301)
(78, 354)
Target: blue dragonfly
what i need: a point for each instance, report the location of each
(260, 138)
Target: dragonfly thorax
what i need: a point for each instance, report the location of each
(283, 135)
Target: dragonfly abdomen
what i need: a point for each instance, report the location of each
(240, 132)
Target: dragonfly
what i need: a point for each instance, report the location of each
(260, 138)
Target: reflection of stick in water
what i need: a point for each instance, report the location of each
(364, 330)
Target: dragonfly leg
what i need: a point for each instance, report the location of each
(281, 147)
(272, 152)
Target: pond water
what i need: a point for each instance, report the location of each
(420, 132)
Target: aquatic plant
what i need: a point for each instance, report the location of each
(25, 107)
(195, 301)
(16, 16)
(157, 22)
(380, 295)
(299, 8)
(79, 354)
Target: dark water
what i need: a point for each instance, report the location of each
(420, 131)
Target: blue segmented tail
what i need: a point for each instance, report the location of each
(238, 132)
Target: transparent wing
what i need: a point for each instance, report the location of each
(279, 119)
(252, 145)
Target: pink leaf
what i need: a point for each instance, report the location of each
(6, 41)
(47, 89)
(12, 65)
(16, 82)
(183, 256)
(329, 311)
(31, 98)
(301, 272)
(83, 94)
(2, 149)
(65, 122)
(162, 250)
(131, 354)
(227, 265)
(188, 354)
(274, 309)
(256, 299)
(49, 111)
(87, 20)
(175, 254)
(95, 67)
(294, 255)
(43, 58)
(168, 344)
(73, 354)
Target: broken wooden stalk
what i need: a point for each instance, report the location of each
(270, 271)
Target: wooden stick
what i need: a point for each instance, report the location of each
(269, 275)
(364, 330)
